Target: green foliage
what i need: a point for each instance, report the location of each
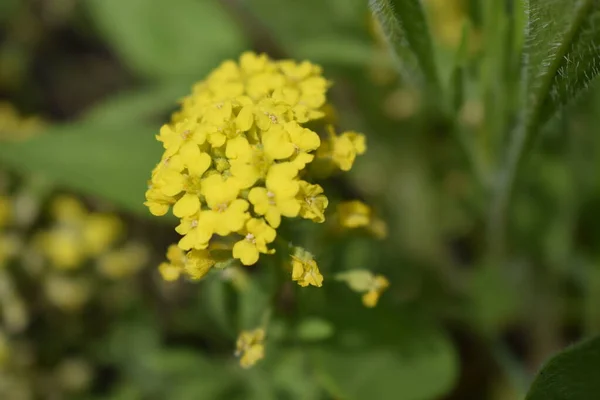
(111, 161)
(386, 359)
(161, 40)
(570, 375)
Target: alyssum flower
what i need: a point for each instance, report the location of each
(236, 161)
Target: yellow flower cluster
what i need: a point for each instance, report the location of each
(76, 234)
(250, 347)
(236, 159)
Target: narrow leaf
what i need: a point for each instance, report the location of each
(405, 28)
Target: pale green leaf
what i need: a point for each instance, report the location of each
(160, 38)
(111, 161)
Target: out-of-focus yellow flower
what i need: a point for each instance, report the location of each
(67, 293)
(77, 234)
(74, 374)
(194, 264)
(15, 127)
(235, 152)
(356, 214)
(364, 281)
(250, 347)
(378, 285)
(123, 262)
(305, 270)
(100, 231)
(341, 150)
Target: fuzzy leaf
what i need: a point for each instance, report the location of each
(561, 55)
(405, 28)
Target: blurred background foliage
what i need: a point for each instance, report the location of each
(85, 86)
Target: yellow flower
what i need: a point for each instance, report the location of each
(63, 247)
(240, 138)
(197, 230)
(354, 214)
(99, 232)
(378, 285)
(67, 293)
(278, 198)
(198, 264)
(363, 281)
(250, 347)
(195, 264)
(123, 262)
(257, 235)
(305, 270)
(343, 149)
(171, 271)
(312, 202)
(229, 212)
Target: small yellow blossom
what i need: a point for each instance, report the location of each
(305, 270)
(363, 281)
(123, 262)
(278, 198)
(194, 264)
(342, 149)
(258, 235)
(356, 214)
(312, 202)
(250, 347)
(67, 293)
(378, 285)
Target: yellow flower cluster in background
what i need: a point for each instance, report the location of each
(236, 160)
(77, 236)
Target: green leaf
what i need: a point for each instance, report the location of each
(405, 27)
(571, 375)
(561, 61)
(561, 56)
(384, 354)
(159, 38)
(314, 329)
(111, 161)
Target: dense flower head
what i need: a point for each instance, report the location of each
(237, 154)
